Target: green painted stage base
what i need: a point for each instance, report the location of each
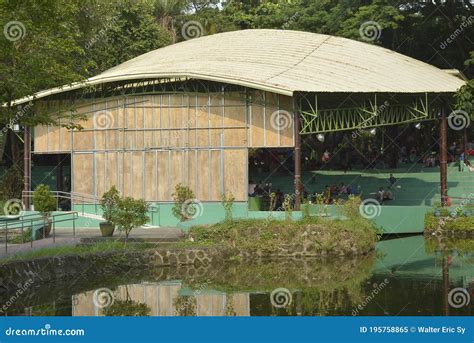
(391, 219)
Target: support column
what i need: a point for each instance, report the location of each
(443, 154)
(297, 153)
(27, 166)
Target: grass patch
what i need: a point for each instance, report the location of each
(352, 236)
(445, 223)
(80, 250)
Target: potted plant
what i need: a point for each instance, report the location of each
(44, 203)
(130, 213)
(108, 204)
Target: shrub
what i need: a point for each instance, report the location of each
(43, 200)
(227, 200)
(108, 203)
(130, 213)
(182, 194)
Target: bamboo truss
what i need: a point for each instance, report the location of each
(367, 115)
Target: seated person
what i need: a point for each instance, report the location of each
(388, 195)
(343, 189)
(251, 189)
(380, 195)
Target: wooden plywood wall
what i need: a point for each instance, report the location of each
(145, 145)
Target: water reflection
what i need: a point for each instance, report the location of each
(408, 276)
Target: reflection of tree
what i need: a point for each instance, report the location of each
(185, 306)
(127, 307)
(446, 245)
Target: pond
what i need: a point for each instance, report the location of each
(406, 276)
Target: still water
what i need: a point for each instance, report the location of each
(406, 276)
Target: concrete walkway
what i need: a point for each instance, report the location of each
(65, 237)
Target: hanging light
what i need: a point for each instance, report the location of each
(16, 127)
(418, 126)
(373, 131)
(320, 137)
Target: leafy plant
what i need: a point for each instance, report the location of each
(130, 213)
(288, 207)
(44, 201)
(181, 195)
(108, 203)
(227, 200)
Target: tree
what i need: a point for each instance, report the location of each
(130, 213)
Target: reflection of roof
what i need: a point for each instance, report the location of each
(283, 62)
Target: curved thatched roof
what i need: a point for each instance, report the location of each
(283, 62)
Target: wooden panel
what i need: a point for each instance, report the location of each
(175, 169)
(83, 169)
(137, 176)
(150, 176)
(163, 179)
(100, 171)
(149, 121)
(256, 126)
(216, 175)
(101, 121)
(193, 172)
(210, 304)
(127, 174)
(139, 109)
(235, 173)
(41, 138)
(111, 171)
(203, 181)
(130, 141)
(287, 134)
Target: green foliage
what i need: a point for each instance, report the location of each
(108, 203)
(181, 195)
(108, 246)
(21, 238)
(130, 213)
(288, 207)
(267, 236)
(227, 200)
(43, 200)
(127, 308)
(11, 183)
(446, 224)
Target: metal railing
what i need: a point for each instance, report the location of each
(32, 220)
(82, 199)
